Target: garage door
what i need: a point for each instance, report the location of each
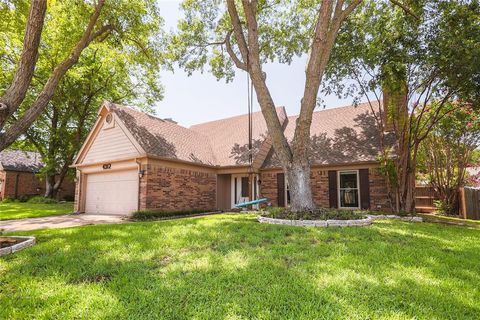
(112, 192)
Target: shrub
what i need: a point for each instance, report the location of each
(318, 214)
(9, 200)
(274, 212)
(156, 214)
(68, 198)
(23, 198)
(445, 208)
(40, 199)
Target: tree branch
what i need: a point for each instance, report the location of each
(37, 107)
(228, 45)
(14, 95)
(405, 8)
(237, 28)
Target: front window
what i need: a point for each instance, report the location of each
(348, 189)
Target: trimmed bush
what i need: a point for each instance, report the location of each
(153, 214)
(68, 198)
(318, 214)
(9, 200)
(40, 199)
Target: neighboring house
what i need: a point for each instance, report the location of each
(19, 176)
(473, 177)
(133, 161)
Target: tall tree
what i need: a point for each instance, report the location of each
(123, 68)
(447, 152)
(248, 33)
(406, 65)
(76, 24)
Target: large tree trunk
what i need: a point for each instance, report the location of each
(298, 178)
(407, 183)
(50, 191)
(295, 160)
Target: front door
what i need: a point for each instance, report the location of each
(239, 189)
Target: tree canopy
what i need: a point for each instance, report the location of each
(128, 29)
(122, 67)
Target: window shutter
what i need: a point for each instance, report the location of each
(281, 189)
(364, 189)
(332, 189)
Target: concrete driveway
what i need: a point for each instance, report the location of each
(60, 221)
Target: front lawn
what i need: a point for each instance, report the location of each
(21, 210)
(231, 267)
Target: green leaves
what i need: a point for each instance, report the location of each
(122, 65)
(285, 31)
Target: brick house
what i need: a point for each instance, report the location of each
(133, 161)
(19, 176)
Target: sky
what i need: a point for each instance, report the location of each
(201, 98)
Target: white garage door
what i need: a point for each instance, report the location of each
(112, 192)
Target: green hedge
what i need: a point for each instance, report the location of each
(153, 214)
(40, 199)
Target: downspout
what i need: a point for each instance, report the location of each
(140, 176)
(79, 185)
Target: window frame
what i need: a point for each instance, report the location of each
(339, 173)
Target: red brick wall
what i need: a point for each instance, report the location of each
(67, 189)
(29, 185)
(176, 189)
(268, 187)
(319, 183)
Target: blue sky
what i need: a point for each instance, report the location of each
(201, 98)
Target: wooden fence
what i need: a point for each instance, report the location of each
(470, 203)
(424, 198)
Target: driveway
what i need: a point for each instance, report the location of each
(60, 221)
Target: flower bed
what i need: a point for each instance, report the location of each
(317, 223)
(325, 217)
(13, 244)
(318, 218)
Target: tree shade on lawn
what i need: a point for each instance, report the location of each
(21, 210)
(230, 266)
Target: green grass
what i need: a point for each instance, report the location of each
(451, 220)
(232, 267)
(21, 210)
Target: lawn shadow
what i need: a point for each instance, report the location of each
(232, 266)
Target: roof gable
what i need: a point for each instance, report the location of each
(164, 138)
(108, 140)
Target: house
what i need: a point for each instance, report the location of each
(19, 176)
(473, 177)
(134, 161)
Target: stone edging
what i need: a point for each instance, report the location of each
(29, 241)
(317, 223)
(395, 217)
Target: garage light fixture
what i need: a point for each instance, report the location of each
(141, 173)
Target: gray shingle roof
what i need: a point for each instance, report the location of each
(164, 138)
(340, 135)
(17, 160)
